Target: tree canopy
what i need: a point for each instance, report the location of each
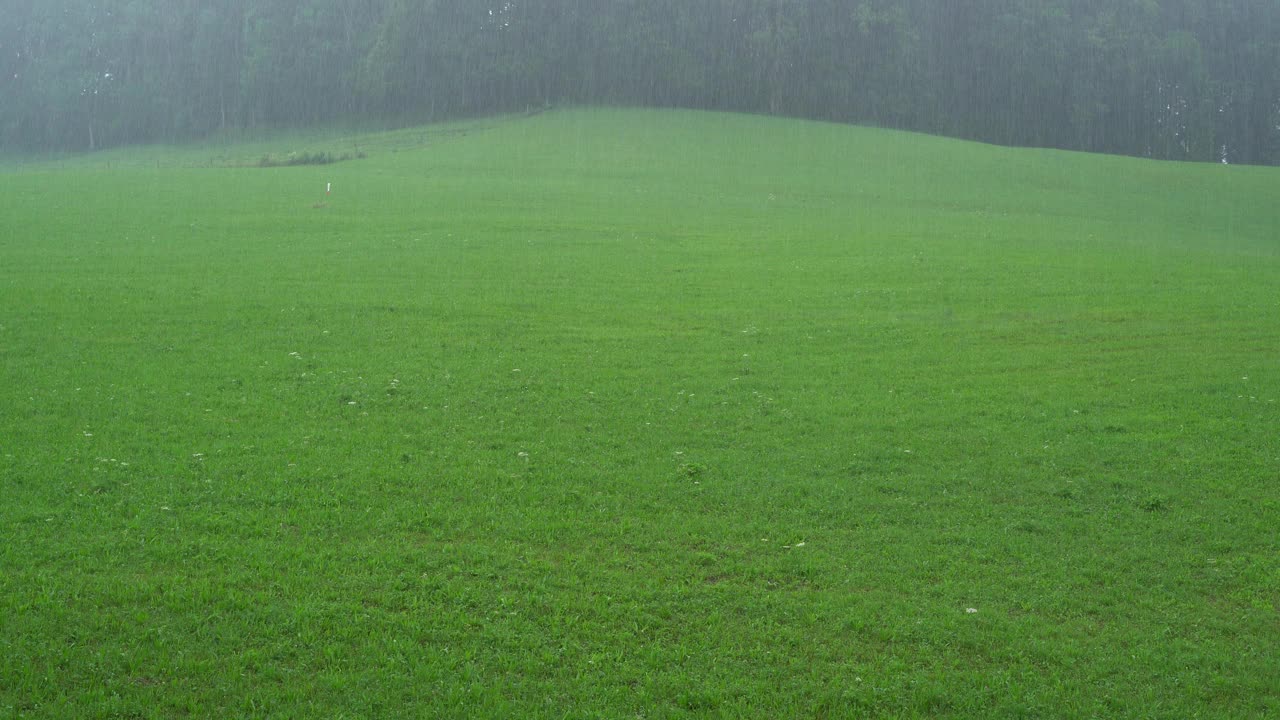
(1176, 79)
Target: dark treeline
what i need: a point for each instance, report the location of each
(1180, 79)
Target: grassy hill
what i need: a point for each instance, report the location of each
(613, 413)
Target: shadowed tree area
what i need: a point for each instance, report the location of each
(1173, 79)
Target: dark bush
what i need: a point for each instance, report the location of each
(306, 158)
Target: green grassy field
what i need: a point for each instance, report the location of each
(639, 414)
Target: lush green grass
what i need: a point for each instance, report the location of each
(640, 414)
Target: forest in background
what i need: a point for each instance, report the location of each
(1171, 79)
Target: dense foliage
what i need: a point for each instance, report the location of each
(1181, 79)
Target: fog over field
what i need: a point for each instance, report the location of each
(1173, 79)
(639, 359)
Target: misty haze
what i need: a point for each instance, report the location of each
(639, 358)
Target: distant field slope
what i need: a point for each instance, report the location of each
(620, 413)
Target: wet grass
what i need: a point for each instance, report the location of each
(640, 414)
